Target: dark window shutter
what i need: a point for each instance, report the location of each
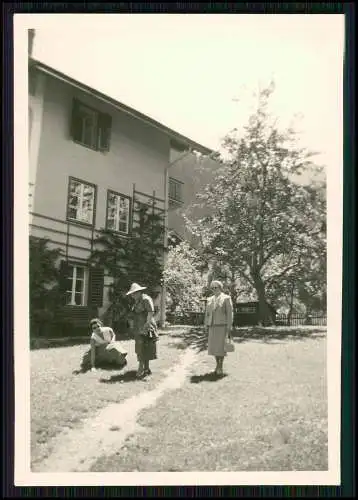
(76, 122)
(95, 286)
(104, 131)
(64, 271)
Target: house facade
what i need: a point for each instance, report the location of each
(90, 159)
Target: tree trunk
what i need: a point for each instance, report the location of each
(173, 307)
(265, 316)
(308, 320)
(233, 294)
(289, 316)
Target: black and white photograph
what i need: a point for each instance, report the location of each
(178, 245)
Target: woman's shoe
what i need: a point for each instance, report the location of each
(148, 371)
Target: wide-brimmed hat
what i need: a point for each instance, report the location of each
(135, 288)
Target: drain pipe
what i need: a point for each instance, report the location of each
(31, 36)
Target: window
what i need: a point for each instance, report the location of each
(90, 127)
(118, 212)
(75, 285)
(81, 286)
(81, 201)
(175, 190)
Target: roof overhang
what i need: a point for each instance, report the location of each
(177, 141)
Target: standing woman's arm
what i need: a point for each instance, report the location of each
(130, 317)
(207, 315)
(149, 305)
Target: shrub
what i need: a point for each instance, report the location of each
(43, 286)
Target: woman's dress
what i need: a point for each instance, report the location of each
(145, 339)
(107, 355)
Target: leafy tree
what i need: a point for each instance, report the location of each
(312, 290)
(183, 278)
(43, 285)
(263, 224)
(137, 258)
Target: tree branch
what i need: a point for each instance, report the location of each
(247, 278)
(270, 254)
(276, 277)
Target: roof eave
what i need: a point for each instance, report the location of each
(177, 141)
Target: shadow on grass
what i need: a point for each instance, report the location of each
(129, 376)
(50, 343)
(206, 377)
(82, 371)
(107, 368)
(273, 334)
(179, 333)
(197, 338)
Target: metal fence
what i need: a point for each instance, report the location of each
(296, 319)
(186, 318)
(197, 318)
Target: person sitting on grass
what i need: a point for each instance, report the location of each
(104, 351)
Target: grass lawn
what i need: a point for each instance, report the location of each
(268, 413)
(60, 399)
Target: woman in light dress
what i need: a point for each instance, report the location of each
(145, 328)
(104, 351)
(218, 322)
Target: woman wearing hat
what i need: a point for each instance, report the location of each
(145, 328)
(103, 351)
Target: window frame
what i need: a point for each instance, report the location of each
(76, 221)
(84, 293)
(97, 131)
(173, 180)
(121, 195)
(91, 115)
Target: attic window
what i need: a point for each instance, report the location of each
(90, 127)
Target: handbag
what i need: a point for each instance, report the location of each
(150, 333)
(229, 346)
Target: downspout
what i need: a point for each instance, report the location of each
(163, 298)
(31, 36)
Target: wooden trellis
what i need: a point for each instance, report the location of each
(151, 202)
